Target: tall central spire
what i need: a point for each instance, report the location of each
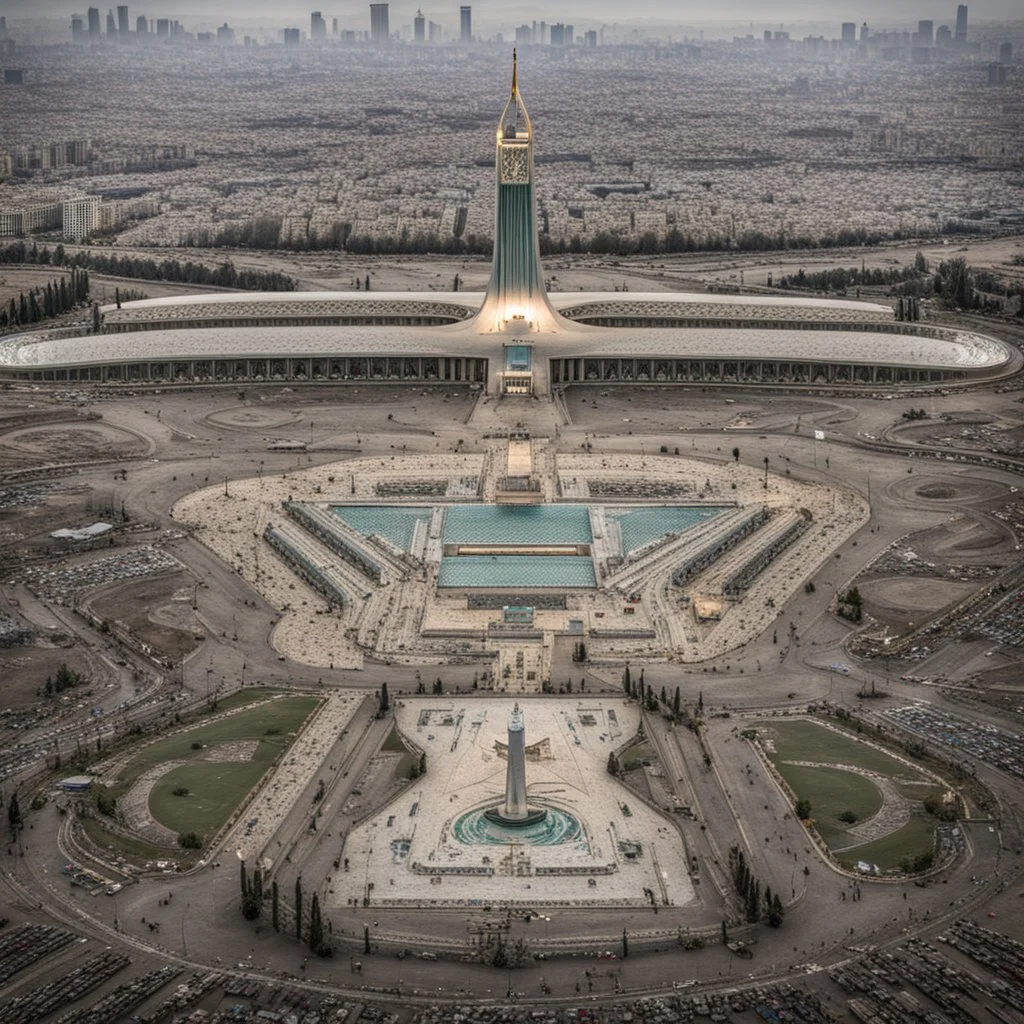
(516, 302)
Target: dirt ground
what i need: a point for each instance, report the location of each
(15, 280)
(655, 410)
(24, 670)
(157, 609)
(896, 602)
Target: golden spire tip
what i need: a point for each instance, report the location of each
(513, 70)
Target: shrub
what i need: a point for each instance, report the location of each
(849, 817)
(180, 791)
(190, 841)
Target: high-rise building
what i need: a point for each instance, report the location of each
(925, 33)
(334, 26)
(849, 33)
(142, 25)
(380, 29)
(77, 29)
(864, 32)
(94, 22)
(434, 32)
(1006, 53)
(163, 28)
(558, 34)
(292, 37)
(111, 24)
(516, 298)
(466, 24)
(80, 217)
(226, 35)
(960, 33)
(943, 38)
(524, 35)
(122, 21)
(317, 27)
(419, 28)
(590, 39)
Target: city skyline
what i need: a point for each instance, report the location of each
(730, 16)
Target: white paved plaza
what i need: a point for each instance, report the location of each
(415, 850)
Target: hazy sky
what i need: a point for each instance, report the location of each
(883, 12)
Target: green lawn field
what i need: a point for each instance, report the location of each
(832, 791)
(917, 836)
(807, 741)
(217, 787)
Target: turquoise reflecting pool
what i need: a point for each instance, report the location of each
(514, 571)
(394, 524)
(642, 525)
(558, 827)
(525, 524)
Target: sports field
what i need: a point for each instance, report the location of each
(217, 780)
(815, 761)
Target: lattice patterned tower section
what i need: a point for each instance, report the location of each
(516, 301)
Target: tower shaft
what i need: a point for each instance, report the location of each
(515, 808)
(516, 302)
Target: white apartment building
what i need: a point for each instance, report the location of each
(80, 217)
(29, 218)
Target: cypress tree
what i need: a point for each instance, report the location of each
(275, 914)
(245, 879)
(298, 909)
(675, 703)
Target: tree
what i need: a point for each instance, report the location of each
(675, 704)
(14, 818)
(385, 702)
(625, 944)
(776, 912)
(244, 879)
(725, 933)
(275, 913)
(423, 763)
(803, 809)
(190, 841)
(252, 894)
(613, 764)
(298, 908)
(316, 926)
(735, 455)
(627, 683)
